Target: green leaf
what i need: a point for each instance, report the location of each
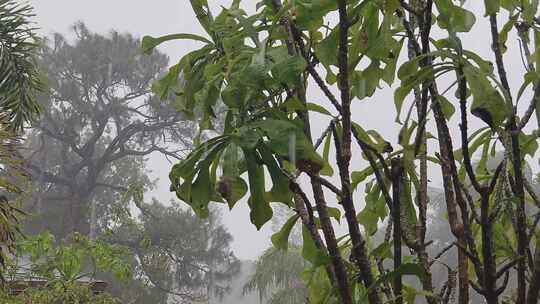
(405, 269)
(529, 78)
(326, 50)
(163, 86)
(383, 251)
(234, 96)
(261, 212)
(293, 104)
(288, 71)
(530, 9)
(528, 143)
(310, 13)
(508, 26)
(149, 43)
(288, 140)
(492, 6)
(374, 210)
(335, 213)
(246, 137)
(280, 191)
(454, 18)
(408, 68)
(280, 240)
(201, 193)
(232, 189)
(365, 82)
(358, 177)
(310, 252)
(202, 12)
(425, 74)
(447, 107)
(488, 104)
(317, 108)
(327, 169)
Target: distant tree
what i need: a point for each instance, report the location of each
(278, 277)
(99, 121)
(278, 273)
(178, 255)
(19, 81)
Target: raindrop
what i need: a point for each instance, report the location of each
(292, 148)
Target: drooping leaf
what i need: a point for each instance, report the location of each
(280, 191)
(261, 212)
(232, 189)
(488, 104)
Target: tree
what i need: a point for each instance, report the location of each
(182, 257)
(278, 273)
(19, 81)
(99, 122)
(278, 277)
(260, 64)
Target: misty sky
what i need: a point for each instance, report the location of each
(159, 17)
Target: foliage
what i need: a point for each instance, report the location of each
(260, 64)
(20, 77)
(19, 81)
(177, 254)
(67, 268)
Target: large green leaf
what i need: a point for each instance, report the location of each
(488, 104)
(326, 50)
(364, 83)
(280, 191)
(232, 189)
(310, 13)
(454, 18)
(374, 210)
(261, 212)
(201, 193)
(149, 43)
(288, 71)
(280, 239)
(287, 139)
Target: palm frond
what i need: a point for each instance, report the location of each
(278, 273)
(19, 74)
(11, 178)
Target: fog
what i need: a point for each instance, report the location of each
(161, 17)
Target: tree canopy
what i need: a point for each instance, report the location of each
(261, 59)
(99, 121)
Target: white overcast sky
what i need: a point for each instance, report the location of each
(159, 17)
